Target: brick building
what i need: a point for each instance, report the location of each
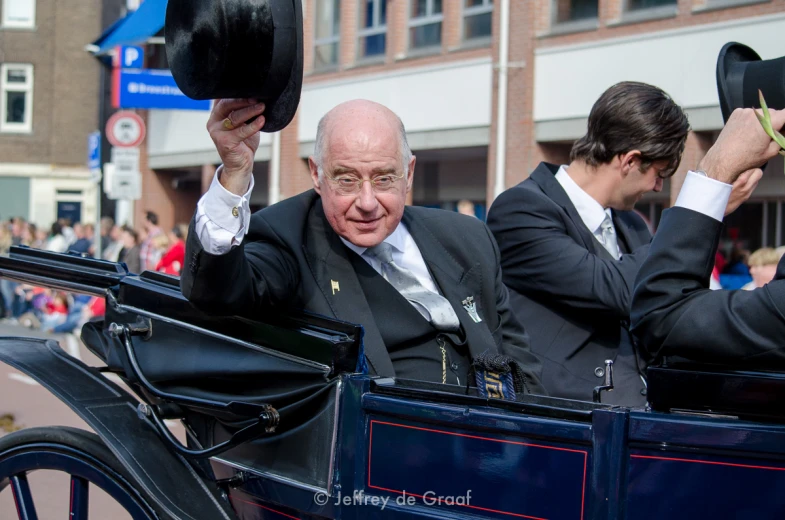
(437, 63)
(49, 91)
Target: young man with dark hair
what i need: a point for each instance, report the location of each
(571, 245)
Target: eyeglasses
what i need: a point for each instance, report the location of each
(351, 185)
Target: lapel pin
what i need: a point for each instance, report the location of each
(335, 287)
(471, 308)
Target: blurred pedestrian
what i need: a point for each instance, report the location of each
(131, 255)
(174, 257)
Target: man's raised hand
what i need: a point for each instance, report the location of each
(742, 145)
(236, 140)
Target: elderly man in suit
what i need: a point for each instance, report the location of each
(571, 245)
(431, 302)
(673, 310)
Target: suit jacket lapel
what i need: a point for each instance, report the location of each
(457, 281)
(335, 277)
(627, 242)
(545, 177)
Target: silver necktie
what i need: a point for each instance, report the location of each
(609, 237)
(442, 314)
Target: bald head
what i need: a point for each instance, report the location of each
(359, 120)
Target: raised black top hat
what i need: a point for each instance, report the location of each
(741, 73)
(238, 49)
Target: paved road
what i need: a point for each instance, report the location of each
(32, 405)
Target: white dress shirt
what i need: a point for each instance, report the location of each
(591, 212)
(222, 220)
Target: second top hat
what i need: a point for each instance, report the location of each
(238, 49)
(741, 73)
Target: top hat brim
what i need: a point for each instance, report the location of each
(280, 112)
(239, 49)
(731, 65)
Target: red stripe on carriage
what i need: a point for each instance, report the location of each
(716, 463)
(265, 507)
(519, 443)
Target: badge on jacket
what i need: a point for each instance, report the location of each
(471, 308)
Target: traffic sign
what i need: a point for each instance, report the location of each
(125, 129)
(131, 57)
(125, 160)
(125, 186)
(153, 89)
(94, 156)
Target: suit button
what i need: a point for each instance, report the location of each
(599, 371)
(454, 366)
(643, 391)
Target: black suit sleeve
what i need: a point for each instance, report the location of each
(260, 272)
(675, 313)
(515, 341)
(540, 259)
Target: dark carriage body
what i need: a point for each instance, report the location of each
(311, 436)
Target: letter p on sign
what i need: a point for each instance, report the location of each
(132, 57)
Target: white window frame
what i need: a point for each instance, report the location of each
(336, 38)
(486, 7)
(375, 29)
(27, 125)
(427, 19)
(16, 24)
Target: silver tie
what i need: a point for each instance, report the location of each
(609, 237)
(442, 314)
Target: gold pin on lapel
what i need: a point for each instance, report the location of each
(335, 287)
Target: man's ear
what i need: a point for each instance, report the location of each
(410, 175)
(630, 162)
(314, 175)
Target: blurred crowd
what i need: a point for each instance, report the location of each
(740, 269)
(146, 248)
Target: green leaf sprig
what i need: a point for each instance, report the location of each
(765, 121)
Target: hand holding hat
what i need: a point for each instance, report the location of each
(741, 146)
(234, 126)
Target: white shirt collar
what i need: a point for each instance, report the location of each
(399, 239)
(592, 213)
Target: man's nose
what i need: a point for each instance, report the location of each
(366, 199)
(658, 185)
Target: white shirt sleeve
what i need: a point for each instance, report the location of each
(704, 195)
(222, 217)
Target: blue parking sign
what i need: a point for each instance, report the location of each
(94, 151)
(131, 57)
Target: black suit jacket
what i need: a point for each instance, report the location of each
(291, 256)
(676, 314)
(571, 295)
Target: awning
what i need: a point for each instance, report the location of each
(137, 27)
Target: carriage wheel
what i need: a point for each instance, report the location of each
(76, 452)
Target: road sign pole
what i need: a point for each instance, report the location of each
(97, 235)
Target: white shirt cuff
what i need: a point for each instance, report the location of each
(222, 218)
(704, 195)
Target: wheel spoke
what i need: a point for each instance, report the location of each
(80, 492)
(22, 498)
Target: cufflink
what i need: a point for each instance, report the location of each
(235, 212)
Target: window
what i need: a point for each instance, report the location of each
(19, 13)
(477, 19)
(425, 23)
(634, 5)
(373, 28)
(327, 22)
(16, 98)
(574, 10)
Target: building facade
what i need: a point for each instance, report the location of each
(48, 105)
(439, 65)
